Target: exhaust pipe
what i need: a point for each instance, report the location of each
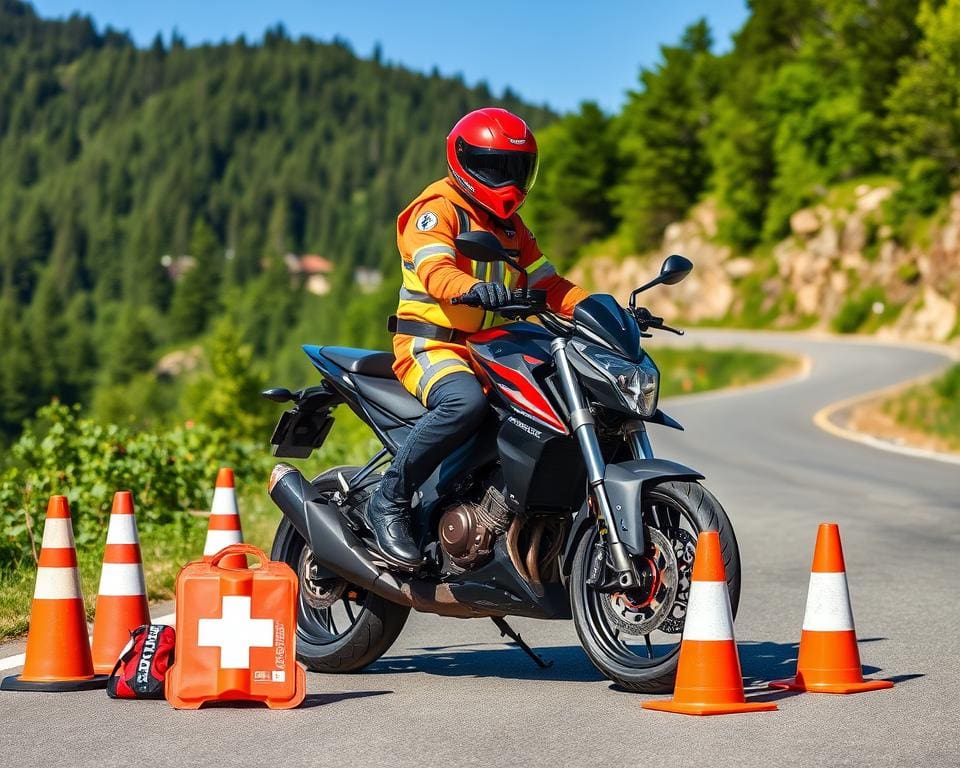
(334, 545)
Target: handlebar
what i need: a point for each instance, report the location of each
(523, 302)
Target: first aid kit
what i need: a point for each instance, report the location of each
(236, 633)
(142, 667)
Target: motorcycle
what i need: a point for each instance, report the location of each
(555, 509)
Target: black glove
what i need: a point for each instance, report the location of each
(490, 295)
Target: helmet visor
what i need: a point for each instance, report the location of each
(499, 167)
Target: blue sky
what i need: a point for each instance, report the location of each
(558, 52)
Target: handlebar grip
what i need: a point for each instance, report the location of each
(465, 299)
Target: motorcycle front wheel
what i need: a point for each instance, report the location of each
(634, 639)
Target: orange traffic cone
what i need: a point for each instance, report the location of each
(58, 647)
(708, 673)
(829, 661)
(122, 598)
(224, 526)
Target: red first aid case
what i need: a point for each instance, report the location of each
(236, 634)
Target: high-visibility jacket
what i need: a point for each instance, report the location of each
(434, 273)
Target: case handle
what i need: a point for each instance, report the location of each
(240, 549)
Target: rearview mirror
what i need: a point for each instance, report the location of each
(674, 269)
(480, 246)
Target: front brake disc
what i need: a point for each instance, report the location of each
(640, 615)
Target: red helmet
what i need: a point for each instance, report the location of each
(492, 157)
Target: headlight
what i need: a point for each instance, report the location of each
(638, 385)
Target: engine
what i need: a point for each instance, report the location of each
(469, 530)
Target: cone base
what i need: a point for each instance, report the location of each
(710, 709)
(861, 687)
(15, 683)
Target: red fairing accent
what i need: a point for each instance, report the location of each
(482, 337)
(526, 396)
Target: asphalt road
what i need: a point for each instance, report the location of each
(449, 693)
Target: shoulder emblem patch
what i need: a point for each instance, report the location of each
(426, 221)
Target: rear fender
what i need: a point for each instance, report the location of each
(624, 483)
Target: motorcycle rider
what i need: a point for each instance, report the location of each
(492, 164)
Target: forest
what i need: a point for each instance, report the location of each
(150, 198)
(118, 162)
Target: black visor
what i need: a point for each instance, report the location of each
(498, 167)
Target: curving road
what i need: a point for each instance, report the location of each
(451, 694)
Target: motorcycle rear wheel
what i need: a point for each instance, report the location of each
(358, 628)
(649, 668)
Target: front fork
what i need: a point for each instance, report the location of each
(585, 430)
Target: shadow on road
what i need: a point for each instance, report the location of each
(321, 699)
(763, 662)
(760, 662)
(569, 663)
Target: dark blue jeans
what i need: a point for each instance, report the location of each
(457, 407)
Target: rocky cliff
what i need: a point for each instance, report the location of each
(842, 267)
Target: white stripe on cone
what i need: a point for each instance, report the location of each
(122, 579)
(708, 612)
(224, 502)
(122, 530)
(828, 604)
(57, 533)
(56, 583)
(217, 540)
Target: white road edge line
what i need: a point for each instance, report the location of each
(823, 417)
(12, 662)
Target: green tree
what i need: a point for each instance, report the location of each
(662, 130)
(924, 106)
(227, 397)
(571, 202)
(195, 296)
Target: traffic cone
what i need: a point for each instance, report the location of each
(708, 673)
(58, 647)
(122, 598)
(829, 661)
(224, 526)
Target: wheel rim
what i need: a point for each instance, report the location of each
(617, 622)
(327, 609)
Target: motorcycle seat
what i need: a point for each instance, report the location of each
(366, 362)
(390, 396)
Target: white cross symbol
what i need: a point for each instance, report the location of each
(236, 633)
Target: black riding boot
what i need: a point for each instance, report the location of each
(457, 406)
(389, 522)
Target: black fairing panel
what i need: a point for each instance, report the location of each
(602, 317)
(541, 470)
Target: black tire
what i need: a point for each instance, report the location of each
(702, 512)
(373, 630)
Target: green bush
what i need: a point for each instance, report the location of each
(856, 310)
(61, 452)
(948, 385)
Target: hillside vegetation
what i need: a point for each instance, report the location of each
(816, 99)
(114, 157)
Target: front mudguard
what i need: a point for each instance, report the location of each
(624, 483)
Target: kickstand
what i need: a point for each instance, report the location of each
(507, 631)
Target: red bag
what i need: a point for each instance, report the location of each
(141, 670)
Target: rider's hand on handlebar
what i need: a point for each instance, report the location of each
(486, 295)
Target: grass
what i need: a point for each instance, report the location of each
(166, 549)
(685, 371)
(932, 408)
